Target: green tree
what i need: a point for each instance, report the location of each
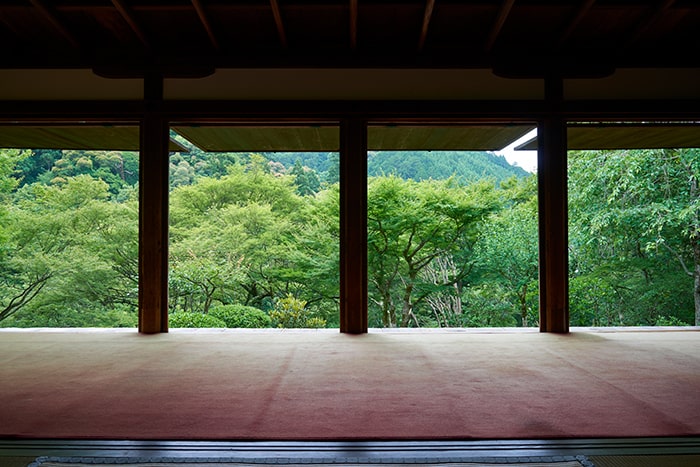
(21, 280)
(306, 179)
(635, 233)
(465, 166)
(181, 172)
(314, 255)
(240, 222)
(412, 224)
(332, 174)
(507, 253)
(37, 164)
(82, 245)
(117, 169)
(202, 271)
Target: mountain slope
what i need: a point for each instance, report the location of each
(467, 166)
(420, 165)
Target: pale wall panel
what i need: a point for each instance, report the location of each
(638, 83)
(83, 84)
(353, 84)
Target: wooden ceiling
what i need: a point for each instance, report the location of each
(87, 137)
(627, 135)
(326, 138)
(193, 37)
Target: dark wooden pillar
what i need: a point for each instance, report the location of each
(553, 214)
(353, 226)
(153, 212)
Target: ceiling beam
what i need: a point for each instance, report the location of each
(353, 24)
(51, 17)
(205, 22)
(128, 16)
(278, 22)
(503, 13)
(581, 12)
(429, 5)
(648, 20)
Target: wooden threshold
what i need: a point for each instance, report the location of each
(350, 451)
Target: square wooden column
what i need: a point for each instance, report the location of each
(553, 217)
(353, 226)
(153, 214)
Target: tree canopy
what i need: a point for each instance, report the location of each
(254, 238)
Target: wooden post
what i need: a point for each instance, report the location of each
(553, 214)
(153, 213)
(353, 226)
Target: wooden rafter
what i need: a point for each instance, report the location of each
(650, 19)
(205, 22)
(353, 24)
(51, 17)
(581, 12)
(128, 16)
(278, 22)
(427, 15)
(503, 13)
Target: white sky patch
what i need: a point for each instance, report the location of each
(525, 159)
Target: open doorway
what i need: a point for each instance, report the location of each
(452, 228)
(254, 226)
(69, 225)
(634, 251)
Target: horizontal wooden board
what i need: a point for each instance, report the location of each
(627, 136)
(103, 137)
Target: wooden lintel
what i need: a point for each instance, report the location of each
(439, 112)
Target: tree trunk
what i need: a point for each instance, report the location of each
(696, 294)
(523, 306)
(407, 305)
(694, 197)
(25, 296)
(388, 309)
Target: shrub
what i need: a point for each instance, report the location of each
(290, 312)
(316, 323)
(66, 316)
(241, 316)
(194, 320)
(670, 321)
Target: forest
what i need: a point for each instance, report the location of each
(254, 239)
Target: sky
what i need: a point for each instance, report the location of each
(525, 159)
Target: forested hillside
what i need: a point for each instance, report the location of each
(465, 166)
(254, 239)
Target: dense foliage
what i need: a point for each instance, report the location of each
(241, 316)
(635, 237)
(254, 239)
